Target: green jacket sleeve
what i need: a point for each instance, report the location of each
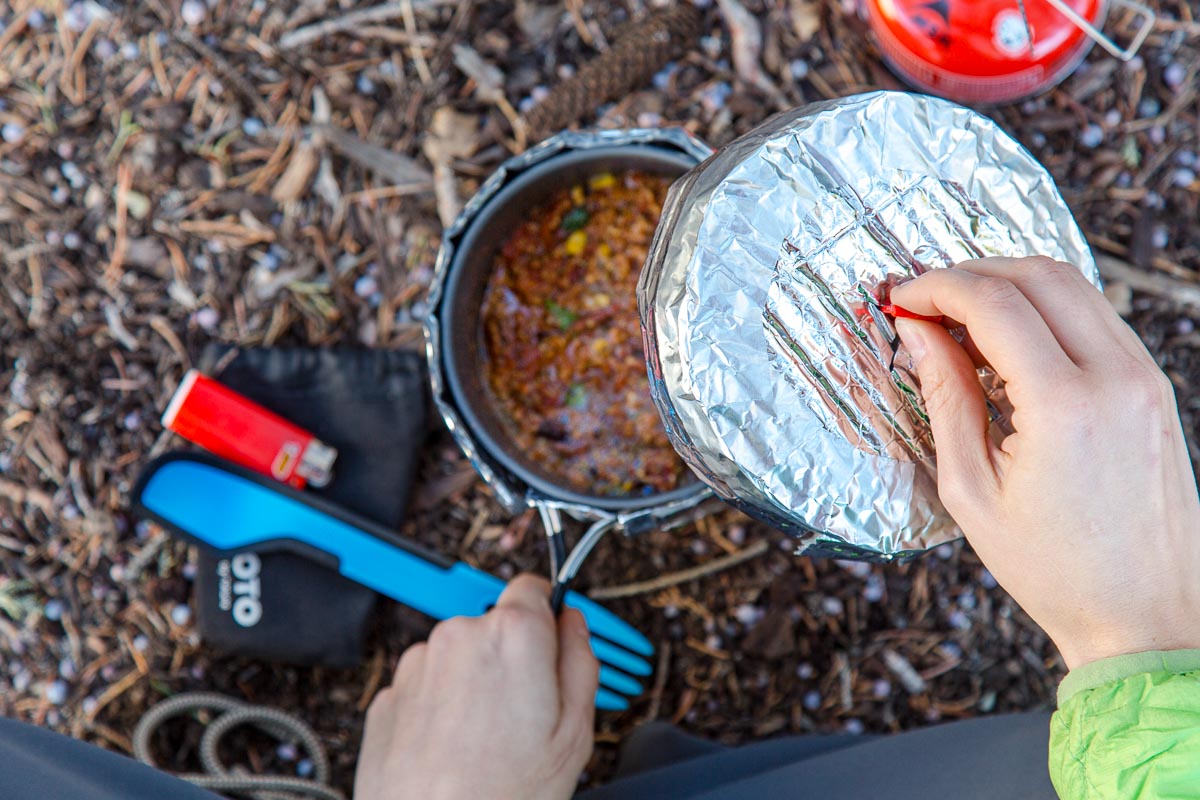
(1129, 727)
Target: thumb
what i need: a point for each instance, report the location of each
(957, 410)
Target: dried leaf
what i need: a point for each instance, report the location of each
(393, 167)
(806, 19)
(451, 135)
(489, 80)
(294, 180)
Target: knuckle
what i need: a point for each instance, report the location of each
(514, 620)
(448, 633)
(996, 293)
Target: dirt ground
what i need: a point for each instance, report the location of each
(175, 173)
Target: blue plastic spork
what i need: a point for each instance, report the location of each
(217, 504)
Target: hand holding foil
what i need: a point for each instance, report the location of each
(1087, 513)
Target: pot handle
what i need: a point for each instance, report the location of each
(579, 553)
(1146, 13)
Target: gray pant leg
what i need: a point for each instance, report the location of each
(992, 758)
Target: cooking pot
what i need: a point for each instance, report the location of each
(454, 340)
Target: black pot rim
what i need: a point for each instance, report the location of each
(493, 449)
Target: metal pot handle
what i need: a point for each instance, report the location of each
(563, 566)
(1145, 12)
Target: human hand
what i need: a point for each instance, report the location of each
(495, 706)
(1088, 513)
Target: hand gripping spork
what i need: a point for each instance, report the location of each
(220, 505)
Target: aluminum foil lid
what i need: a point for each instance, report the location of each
(771, 379)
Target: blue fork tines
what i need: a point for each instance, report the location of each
(230, 509)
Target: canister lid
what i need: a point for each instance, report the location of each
(771, 379)
(989, 51)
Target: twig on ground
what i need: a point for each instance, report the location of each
(682, 576)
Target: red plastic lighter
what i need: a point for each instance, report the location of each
(229, 425)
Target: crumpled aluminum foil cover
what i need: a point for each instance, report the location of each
(772, 382)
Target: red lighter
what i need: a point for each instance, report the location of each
(231, 426)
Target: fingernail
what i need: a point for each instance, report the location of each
(913, 337)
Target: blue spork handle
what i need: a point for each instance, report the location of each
(228, 508)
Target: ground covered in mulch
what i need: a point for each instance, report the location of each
(176, 173)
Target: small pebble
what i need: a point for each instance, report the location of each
(57, 692)
(959, 620)
(1112, 117)
(162, 38)
(699, 547)
(78, 17)
(539, 93)
(1183, 177)
(1160, 238)
(832, 606)
(252, 126)
(181, 614)
(711, 45)
(53, 610)
(873, 591)
(60, 195)
(36, 20)
(66, 669)
(713, 96)
(105, 49)
(565, 71)
(140, 643)
(21, 680)
(193, 12)
(207, 318)
(130, 51)
(799, 69)
(304, 768)
(53, 238)
(72, 240)
(1184, 326)
(132, 421)
(662, 78)
(1149, 107)
(117, 573)
(1091, 136)
(1037, 139)
(1186, 158)
(364, 84)
(1174, 74)
(945, 551)
(812, 700)
(967, 601)
(649, 119)
(1135, 64)
(89, 705)
(987, 703)
(855, 727)
(670, 612)
(713, 642)
(189, 571)
(526, 105)
(748, 614)
(420, 310)
(388, 69)
(216, 88)
(286, 752)
(366, 286)
(881, 688)
(1157, 135)
(952, 650)
(805, 671)
(1124, 180)
(987, 580)
(859, 569)
(12, 132)
(1153, 200)
(737, 535)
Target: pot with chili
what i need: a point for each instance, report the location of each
(534, 339)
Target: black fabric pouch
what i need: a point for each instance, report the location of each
(371, 406)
